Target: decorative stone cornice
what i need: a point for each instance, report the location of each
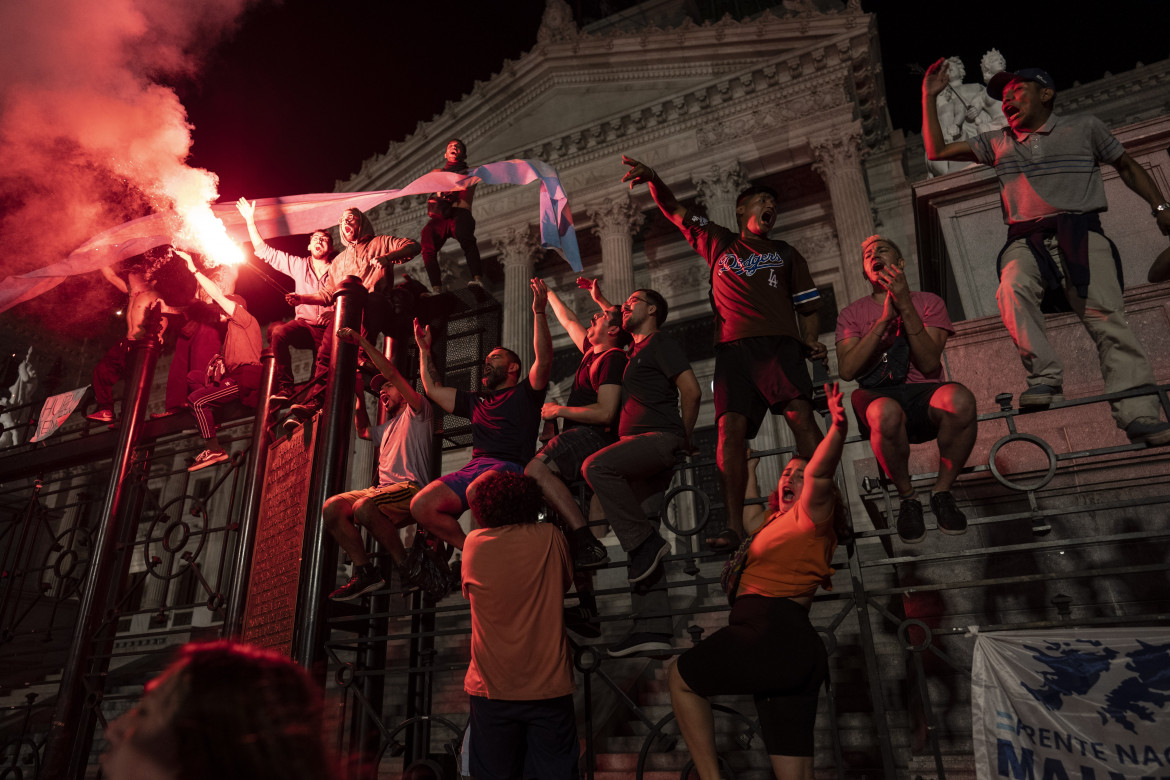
(615, 215)
(809, 76)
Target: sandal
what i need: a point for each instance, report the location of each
(726, 540)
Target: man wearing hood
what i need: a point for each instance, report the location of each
(450, 215)
(1057, 257)
(758, 286)
(371, 258)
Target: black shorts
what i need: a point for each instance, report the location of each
(513, 739)
(914, 399)
(771, 651)
(568, 450)
(757, 375)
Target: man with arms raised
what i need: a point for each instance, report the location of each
(307, 328)
(1056, 257)
(404, 466)
(505, 417)
(757, 287)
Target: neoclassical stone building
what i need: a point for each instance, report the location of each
(793, 98)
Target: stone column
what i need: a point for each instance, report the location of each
(837, 158)
(718, 187)
(615, 221)
(518, 248)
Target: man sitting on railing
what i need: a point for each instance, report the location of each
(891, 342)
(1056, 257)
(660, 405)
(404, 466)
(505, 417)
(236, 374)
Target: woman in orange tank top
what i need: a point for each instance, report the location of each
(769, 649)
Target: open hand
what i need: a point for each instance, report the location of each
(936, 79)
(837, 406)
(247, 209)
(422, 335)
(539, 295)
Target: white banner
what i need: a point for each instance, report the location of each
(56, 410)
(1084, 704)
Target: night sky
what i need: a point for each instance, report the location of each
(303, 92)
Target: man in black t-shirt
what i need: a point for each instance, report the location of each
(660, 403)
(758, 287)
(505, 417)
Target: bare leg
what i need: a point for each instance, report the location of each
(437, 509)
(952, 409)
(792, 767)
(887, 438)
(338, 516)
(801, 421)
(368, 515)
(556, 492)
(731, 458)
(697, 724)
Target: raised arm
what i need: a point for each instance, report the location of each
(247, 210)
(933, 83)
(435, 390)
(816, 497)
(111, 277)
(689, 396)
(541, 338)
(640, 173)
(594, 288)
(216, 294)
(567, 319)
(1139, 180)
(392, 374)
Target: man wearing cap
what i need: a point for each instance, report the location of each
(1057, 258)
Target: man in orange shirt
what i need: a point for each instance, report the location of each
(520, 680)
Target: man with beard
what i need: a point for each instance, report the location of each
(660, 403)
(758, 286)
(404, 466)
(450, 215)
(371, 258)
(1057, 257)
(307, 328)
(505, 418)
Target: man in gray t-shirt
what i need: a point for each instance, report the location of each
(1057, 258)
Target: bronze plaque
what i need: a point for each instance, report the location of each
(276, 559)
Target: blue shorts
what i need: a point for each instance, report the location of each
(460, 480)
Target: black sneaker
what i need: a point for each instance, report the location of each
(646, 557)
(591, 555)
(911, 529)
(365, 579)
(641, 643)
(582, 620)
(950, 519)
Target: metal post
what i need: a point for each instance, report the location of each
(65, 756)
(330, 461)
(233, 624)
